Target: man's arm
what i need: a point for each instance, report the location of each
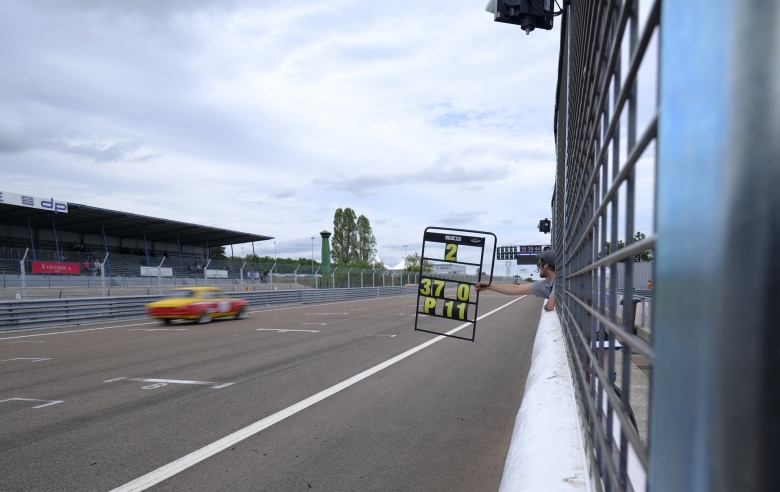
(550, 304)
(508, 289)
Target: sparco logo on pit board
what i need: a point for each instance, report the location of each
(452, 238)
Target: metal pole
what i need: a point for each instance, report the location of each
(242, 273)
(295, 275)
(373, 273)
(316, 279)
(361, 277)
(146, 249)
(232, 266)
(56, 242)
(181, 260)
(23, 273)
(333, 276)
(105, 250)
(348, 283)
(715, 409)
(32, 243)
(205, 274)
(103, 275)
(254, 261)
(159, 276)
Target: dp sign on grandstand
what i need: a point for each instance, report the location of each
(443, 293)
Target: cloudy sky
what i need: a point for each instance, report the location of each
(266, 116)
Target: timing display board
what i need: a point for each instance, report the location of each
(513, 252)
(432, 297)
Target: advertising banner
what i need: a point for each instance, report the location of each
(55, 267)
(49, 204)
(147, 271)
(216, 274)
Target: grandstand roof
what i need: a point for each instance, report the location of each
(84, 219)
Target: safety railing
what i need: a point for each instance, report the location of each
(603, 135)
(57, 312)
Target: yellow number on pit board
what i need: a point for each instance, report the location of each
(451, 252)
(425, 287)
(463, 292)
(448, 308)
(461, 307)
(438, 288)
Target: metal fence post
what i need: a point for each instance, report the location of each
(159, 276)
(23, 273)
(103, 275)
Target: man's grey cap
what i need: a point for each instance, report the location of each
(547, 257)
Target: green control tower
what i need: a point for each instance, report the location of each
(325, 253)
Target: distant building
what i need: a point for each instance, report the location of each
(449, 269)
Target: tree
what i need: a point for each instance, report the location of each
(412, 262)
(353, 242)
(647, 255)
(345, 237)
(217, 253)
(366, 248)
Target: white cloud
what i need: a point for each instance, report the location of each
(266, 116)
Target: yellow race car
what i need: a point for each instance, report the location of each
(197, 303)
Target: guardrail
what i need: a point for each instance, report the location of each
(16, 315)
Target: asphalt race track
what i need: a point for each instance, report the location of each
(96, 407)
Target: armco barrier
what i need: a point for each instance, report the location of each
(16, 315)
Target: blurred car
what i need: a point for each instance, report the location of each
(201, 304)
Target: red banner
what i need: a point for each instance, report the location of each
(54, 267)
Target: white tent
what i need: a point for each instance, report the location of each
(399, 266)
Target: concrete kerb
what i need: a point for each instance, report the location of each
(546, 453)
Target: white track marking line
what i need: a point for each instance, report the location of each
(173, 381)
(391, 336)
(321, 324)
(321, 314)
(166, 471)
(77, 331)
(51, 402)
(158, 329)
(282, 330)
(29, 341)
(31, 359)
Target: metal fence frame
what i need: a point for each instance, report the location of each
(594, 98)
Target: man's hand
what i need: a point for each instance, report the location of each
(480, 286)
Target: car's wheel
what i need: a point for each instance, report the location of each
(166, 321)
(204, 318)
(241, 314)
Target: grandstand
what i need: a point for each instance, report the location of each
(84, 234)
